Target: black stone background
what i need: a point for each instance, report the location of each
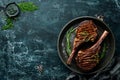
(33, 39)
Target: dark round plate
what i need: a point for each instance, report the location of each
(109, 41)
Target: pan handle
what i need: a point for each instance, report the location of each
(100, 17)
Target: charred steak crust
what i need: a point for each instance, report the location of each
(86, 31)
(87, 59)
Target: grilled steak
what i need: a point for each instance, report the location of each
(87, 59)
(86, 31)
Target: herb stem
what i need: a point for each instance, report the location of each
(68, 35)
(103, 51)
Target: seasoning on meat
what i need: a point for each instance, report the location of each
(86, 31)
(87, 59)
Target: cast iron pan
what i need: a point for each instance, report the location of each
(109, 40)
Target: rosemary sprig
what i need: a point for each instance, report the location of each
(68, 35)
(103, 51)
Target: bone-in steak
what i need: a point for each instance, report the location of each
(86, 31)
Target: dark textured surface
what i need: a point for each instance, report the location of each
(33, 39)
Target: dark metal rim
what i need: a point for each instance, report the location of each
(99, 70)
(16, 14)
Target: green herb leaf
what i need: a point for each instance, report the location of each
(27, 6)
(68, 35)
(103, 51)
(88, 38)
(84, 33)
(24, 6)
(9, 24)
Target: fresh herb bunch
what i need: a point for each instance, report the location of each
(68, 35)
(27, 6)
(9, 24)
(24, 6)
